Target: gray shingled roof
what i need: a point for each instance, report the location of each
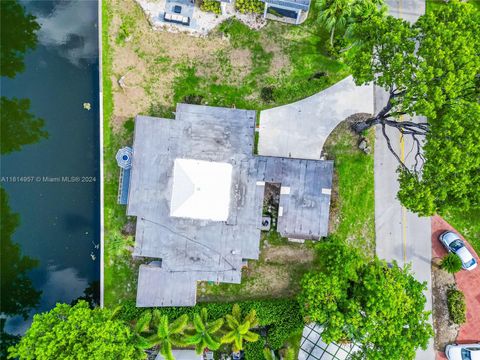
(200, 250)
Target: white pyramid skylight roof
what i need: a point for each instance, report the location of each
(201, 189)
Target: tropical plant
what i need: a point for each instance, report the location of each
(249, 6)
(429, 69)
(456, 306)
(205, 331)
(451, 263)
(77, 332)
(167, 334)
(352, 307)
(211, 6)
(238, 329)
(339, 15)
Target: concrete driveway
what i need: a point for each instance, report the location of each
(299, 129)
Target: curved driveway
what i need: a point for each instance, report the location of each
(300, 129)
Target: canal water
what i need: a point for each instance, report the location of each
(50, 163)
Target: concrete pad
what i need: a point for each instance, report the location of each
(299, 129)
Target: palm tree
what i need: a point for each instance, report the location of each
(335, 15)
(238, 329)
(167, 334)
(204, 332)
(451, 263)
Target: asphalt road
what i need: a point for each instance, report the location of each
(400, 234)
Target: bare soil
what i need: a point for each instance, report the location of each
(445, 331)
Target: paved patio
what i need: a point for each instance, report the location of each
(312, 346)
(300, 129)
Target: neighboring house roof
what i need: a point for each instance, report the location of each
(182, 355)
(290, 4)
(197, 191)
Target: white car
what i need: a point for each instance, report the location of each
(454, 244)
(463, 351)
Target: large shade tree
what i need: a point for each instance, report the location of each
(429, 69)
(77, 332)
(378, 305)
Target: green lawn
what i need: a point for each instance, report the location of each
(283, 63)
(353, 208)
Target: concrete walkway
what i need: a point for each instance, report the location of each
(300, 129)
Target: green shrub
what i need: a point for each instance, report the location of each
(249, 6)
(456, 305)
(282, 316)
(451, 263)
(254, 350)
(211, 6)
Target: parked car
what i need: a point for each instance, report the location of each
(463, 351)
(454, 244)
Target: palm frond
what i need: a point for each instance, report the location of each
(143, 323)
(251, 336)
(232, 323)
(166, 351)
(162, 327)
(204, 315)
(243, 328)
(194, 339)
(228, 338)
(252, 318)
(215, 326)
(211, 342)
(236, 312)
(199, 348)
(198, 323)
(179, 324)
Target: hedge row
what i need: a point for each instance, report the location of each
(280, 317)
(456, 306)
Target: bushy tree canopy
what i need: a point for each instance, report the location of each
(77, 332)
(431, 69)
(378, 305)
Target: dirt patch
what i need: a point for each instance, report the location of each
(280, 60)
(145, 64)
(241, 60)
(445, 331)
(288, 254)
